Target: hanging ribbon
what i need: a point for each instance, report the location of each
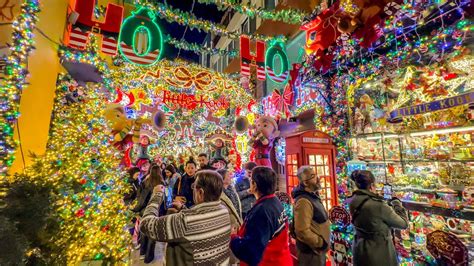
(283, 101)
(186, 79)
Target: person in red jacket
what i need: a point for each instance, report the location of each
(263, 238)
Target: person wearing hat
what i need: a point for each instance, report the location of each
(311, 223)
(219, 149)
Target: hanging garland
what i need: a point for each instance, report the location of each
(171, 15)
(199, 49)
(289, 16)
(15, 81)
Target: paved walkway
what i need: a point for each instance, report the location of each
(159, 256)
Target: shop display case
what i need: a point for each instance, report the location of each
(432, 172)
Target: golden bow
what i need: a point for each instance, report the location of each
(184, 78)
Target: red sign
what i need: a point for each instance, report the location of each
(339, 215)
(192, 102)
(447, 247)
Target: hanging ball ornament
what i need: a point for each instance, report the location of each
(159, 120)
(241, 124)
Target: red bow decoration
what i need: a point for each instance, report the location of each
(283, 101)
(128, 101)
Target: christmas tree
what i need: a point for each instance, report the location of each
(86, 183)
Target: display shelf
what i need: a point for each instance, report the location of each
(452, 213)
(414, 189)
(382, 162)
(436, 160)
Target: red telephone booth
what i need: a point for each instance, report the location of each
(313, 148)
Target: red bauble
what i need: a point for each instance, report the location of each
(80, 213)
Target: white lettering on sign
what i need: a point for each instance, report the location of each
(315, 140)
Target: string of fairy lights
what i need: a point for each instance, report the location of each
(173, 15)
(289, 16)
(16, 80)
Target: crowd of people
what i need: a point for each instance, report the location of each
(206, 217)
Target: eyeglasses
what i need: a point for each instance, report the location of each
(311, 177)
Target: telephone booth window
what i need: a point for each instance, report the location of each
(321, 164)
(292, 169)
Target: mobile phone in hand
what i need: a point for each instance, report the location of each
(387, 191)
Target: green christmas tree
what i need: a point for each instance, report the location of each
(84, 184)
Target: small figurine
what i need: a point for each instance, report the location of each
(219, 149)
(218, 142)
(358, 121)
(142, 148)
(366, 105)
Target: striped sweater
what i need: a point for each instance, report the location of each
(196, 236)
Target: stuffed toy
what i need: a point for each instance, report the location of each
(322, 31)
(141, 149)
(121, 127)
(266, 130)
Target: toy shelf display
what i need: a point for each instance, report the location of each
(432, 172)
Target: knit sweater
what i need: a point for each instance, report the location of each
(196, 236)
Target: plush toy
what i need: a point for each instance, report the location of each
(266, 130)
(121, 127)
(141, 149)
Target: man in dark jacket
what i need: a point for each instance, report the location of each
(204, 162)
(182, 190)
(310, 220)
(242, 186)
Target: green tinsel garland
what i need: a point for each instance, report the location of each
(289, 16)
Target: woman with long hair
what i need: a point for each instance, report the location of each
(153, 179)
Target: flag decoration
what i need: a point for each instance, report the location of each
(248, 59)
(78, 34)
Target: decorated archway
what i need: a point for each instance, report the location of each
(196, 102)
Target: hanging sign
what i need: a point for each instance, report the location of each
(447, 248)
(277, 50)
(134, 46)
(248, 59)
(77, 34)
(192, 102)
(397, 115)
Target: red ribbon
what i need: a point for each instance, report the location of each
(283, 101)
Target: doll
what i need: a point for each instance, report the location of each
(358, 121)
(219, 150)
(142, 148)
(266, 131)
